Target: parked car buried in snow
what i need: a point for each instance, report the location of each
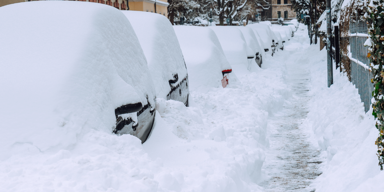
(72, 73)
(164, 56)
(253, 44)
(266, 36)
(205, 59)
(233, 43)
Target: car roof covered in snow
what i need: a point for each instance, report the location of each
(65, 67)
(233, 43)
(203, 54)
(263, 32)
(251, 40)
(161, 48)
(285, 32)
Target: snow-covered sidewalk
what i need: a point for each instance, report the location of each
(292, 161)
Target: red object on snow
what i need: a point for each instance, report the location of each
(226, 71)
(224, 81)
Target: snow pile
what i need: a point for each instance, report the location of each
(233, 43)
(161, 48)
(343, 131)
(218, 143)
(203, 55)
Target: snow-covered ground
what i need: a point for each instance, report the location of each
(277, 130)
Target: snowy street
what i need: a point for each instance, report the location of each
(129, 102)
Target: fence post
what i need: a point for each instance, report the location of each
(337, 47)
(329, 60)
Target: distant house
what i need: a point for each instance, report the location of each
(154, 6)
(282, 9)
(7, 2)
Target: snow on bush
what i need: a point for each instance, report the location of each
(161, 48)
(233, 43)
(204, 56)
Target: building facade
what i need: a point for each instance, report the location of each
(7, 2)
(282, 9)
(154, 6)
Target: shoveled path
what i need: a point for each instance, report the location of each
(292, 162)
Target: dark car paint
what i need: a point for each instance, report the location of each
(180, 91)
(259, 59)
(145, 118)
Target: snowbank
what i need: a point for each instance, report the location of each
(254, 49)
(204, 56)
(233, 43)
(161, 48)
(344, 133)
(219, 143)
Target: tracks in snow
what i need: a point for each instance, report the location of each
(292, 162)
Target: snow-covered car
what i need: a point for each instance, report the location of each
(295, 23)
(204, 56)
(164, 56)
(280, 41)
(285, 32)
(292, 27)
(69, 68)
(265, 34)
(253, 44)
(233, 43)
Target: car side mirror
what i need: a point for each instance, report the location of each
(174, 80)
(128, 108)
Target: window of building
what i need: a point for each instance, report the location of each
(278, 14)
(285, 14)
(278, 1)
(285, 1)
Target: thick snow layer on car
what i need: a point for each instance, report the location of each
(161, 48)
(284, 32)
(279, 39)
(266, 23)
(65, 66)
(233, 43)
(251, 40)
(264, 33)
(204, 56)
